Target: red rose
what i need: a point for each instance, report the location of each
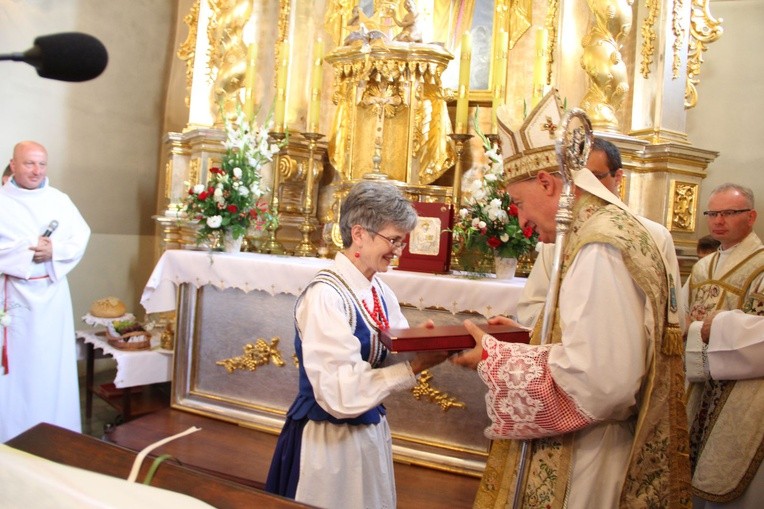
(528, 232)
(191, 191)
(513, 210)
(494, 242)
(202, 196)
(233, 209)
(253, 213)
(216, 170)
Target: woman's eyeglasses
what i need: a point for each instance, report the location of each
(395, 243)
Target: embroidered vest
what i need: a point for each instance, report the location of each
(725, 416)
(658, 471)
(372, 351)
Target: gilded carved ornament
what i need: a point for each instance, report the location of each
(255, 354)
(704, 29)
(227, 53)
(649, 36)
(550, 23)
(678, 31)
(194, 170)
(608, 82)
(423, 388)
(681, 214)
(187, 50)
(168, 180)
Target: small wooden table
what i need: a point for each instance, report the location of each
(244, 455)
(88, 453)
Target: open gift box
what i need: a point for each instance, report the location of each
(447, 337)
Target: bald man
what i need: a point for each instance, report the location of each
(38, 374)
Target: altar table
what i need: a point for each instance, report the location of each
(230, 306)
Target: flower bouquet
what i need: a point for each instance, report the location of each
(489, 223)
(232, 198)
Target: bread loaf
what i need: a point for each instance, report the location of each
(109, 307)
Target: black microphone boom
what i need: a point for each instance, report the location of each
(68, 56)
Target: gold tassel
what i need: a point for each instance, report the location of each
(673, 342)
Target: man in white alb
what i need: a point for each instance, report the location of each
(42, 238)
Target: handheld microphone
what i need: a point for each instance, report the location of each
(51, 228)
(68, 56)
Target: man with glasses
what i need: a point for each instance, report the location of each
(726, 399)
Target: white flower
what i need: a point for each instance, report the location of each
(463, 213)
(243, 190)
(475, 221)
(218, 191)
(214, 221)
(237, 172)
(490, 177)
(198, 188)
(481, 225)
(504, 237)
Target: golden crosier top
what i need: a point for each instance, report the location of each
(529, 147)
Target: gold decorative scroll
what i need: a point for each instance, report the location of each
(608, 79)
(338, 14)
(550, 23)
(258, 354)
(704, 29)
(678, 32)
(187, 50)
(681, 214)
(424, 388)
(648, 36)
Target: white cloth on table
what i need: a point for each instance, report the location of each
(346, 386)
(290, 275)
(134, 367)
(42, 384)
(599, 366)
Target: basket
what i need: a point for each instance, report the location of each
(123, 342)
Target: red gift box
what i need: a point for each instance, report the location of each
(447, 337)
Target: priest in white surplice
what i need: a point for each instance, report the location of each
(38, 375)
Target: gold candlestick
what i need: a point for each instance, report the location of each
(306, 247)
(459, 141)
(272, 245)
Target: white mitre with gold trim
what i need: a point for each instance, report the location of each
(528, 146)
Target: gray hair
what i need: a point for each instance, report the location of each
(745, 191)
(375, 205)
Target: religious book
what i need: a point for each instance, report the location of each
(428, 246)
(447, 337)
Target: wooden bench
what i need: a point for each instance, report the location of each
(243, 455)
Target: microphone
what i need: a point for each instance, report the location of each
(68, 56)
(51, 228)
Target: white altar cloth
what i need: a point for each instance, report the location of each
(286, 274)
(134, 367)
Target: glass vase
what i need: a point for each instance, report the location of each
(504, 267)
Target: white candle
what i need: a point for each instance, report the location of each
(463, 97)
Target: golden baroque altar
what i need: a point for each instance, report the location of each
(373, 86)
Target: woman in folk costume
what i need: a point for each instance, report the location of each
(600, 404)
(335, 449)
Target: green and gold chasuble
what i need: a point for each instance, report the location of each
(658, 471)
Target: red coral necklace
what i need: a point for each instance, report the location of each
(377, 313)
